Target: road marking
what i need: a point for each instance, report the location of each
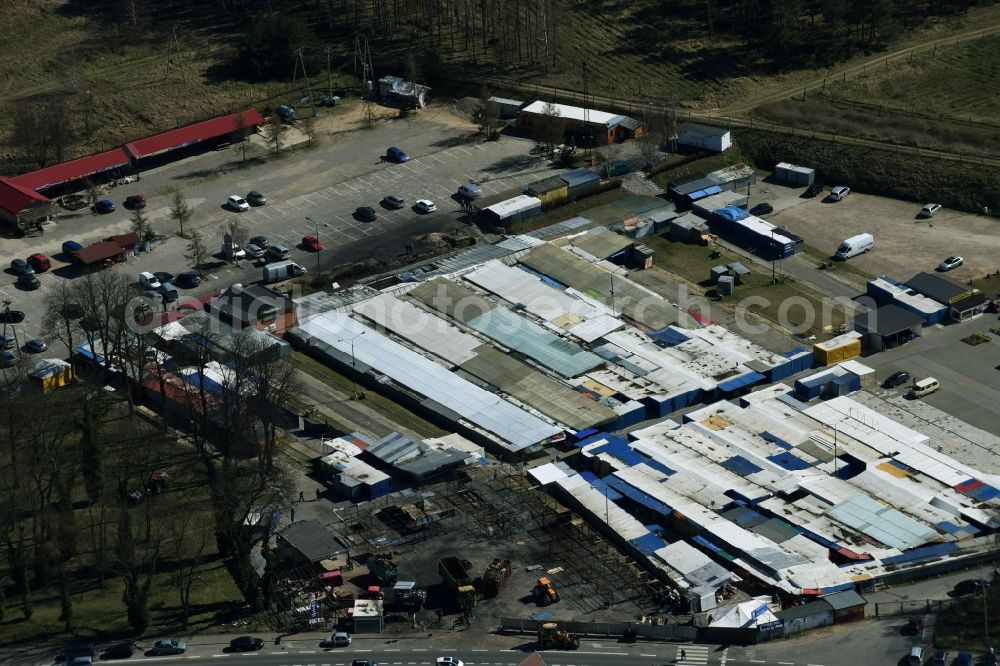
(787, 663)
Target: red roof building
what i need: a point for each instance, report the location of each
(58, 174)
(20, 206)
(192, 134)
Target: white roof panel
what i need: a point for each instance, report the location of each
(421, 375)
(576, 113)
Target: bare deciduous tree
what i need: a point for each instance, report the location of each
(197, 251)
(180, 210)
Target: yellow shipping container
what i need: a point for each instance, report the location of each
(52, 373)
(841, 348)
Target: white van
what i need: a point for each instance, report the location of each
(924, 386)
(916, 656)
(854, 246)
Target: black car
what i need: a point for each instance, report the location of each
(255, 198)
(813, 190)
(394, 201)
(118, 651)
(971, 585)
(7, 360)
(896, 379)
(187, 280)
(261, 242)
(163, 276)
(762, 209)
(28, 282)
(245, 644)
(364, 662)
(81, 649)
(21, 267)
(7, 341)
(366, 214)
(11, 317)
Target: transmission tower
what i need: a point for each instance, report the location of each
(363, 66)
(174, 55)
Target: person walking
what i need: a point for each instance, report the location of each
(684, 655)
(302, 496)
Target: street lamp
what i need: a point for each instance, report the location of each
(354, 369)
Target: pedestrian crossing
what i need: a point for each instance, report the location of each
(691, 655)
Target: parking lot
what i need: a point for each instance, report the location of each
(968, 374)
(904, 244)
(309, 191)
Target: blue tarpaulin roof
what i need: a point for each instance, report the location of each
(707, 192)
(788, 461)
(648, 543)
(923, 553)
(637, 495)
(622, 451)
(774, 439)
(740, 465)
(657, 465)
(736, 383)
(598, 437)
(732, 213)
(669, 336)
(983, 493)
(795, 352)
(606, 490)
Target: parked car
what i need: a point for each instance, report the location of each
(278, 253)
(971, 585)
(930, 210)
(329, 100)
(79, 649)
(425, 206)
(940, 658)
(163, 276)
(286, 113)
(311, 243)
(963, 659)
(104, 206)
(168, 646)
(366, 214)
(118, 651)
(39, 262)
(245, 644)
(394, 154)
(36, 346)
(339, 639)
(187, 280)
(261, 242)
(616, 168)
(7, 341)
(168, 292)
(813, 190)
(449, 661)
(7, 359)
(28, 282)
(914, 625)
(135, 202)
(254, 251)
(896, 379)
(954, 261)
(21, 267)
(470, 191)
(364, 662)
(237, 203)
(255, 198)
(394, 201)
(70, 246)
(839, 192)
(762, 209)
(11, 317)
(148, 281)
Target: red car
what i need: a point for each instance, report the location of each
(135, 201)
(311, 243)
(39, 262)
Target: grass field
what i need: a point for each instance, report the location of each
(787, 301)
(939, 99)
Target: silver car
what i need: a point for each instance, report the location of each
(951, 262)
(930, 210)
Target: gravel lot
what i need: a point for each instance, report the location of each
(904, 245)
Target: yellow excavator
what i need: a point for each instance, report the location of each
(545, 594)
(551, 636)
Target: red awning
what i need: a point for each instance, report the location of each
(14, 198)
(191, 134)
(73, 170)
(98, 252)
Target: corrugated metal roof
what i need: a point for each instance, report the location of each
(190, 134)
(72, 170)
(601, 243)
(576, 177)
(452, 299)
(514, 206)
(478, 406)
(845, 599)
(575, 113)
(517, 333)
(882, 523)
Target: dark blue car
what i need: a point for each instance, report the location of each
(104, 206)
(394, 154)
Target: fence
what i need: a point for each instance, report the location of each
(606, 629)
(908, 607)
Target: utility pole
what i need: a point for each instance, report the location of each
(329, 77)
(308, 219)
(613, 309)
(585, 75)
(307, 89)
(174, 51)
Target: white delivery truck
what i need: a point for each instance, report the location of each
(282, 270)
(854, 246)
